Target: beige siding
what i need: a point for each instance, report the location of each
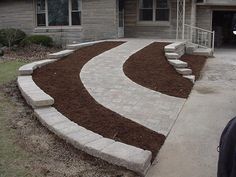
(99, 19)
(134, 29)
(17, 14)
(204, 17)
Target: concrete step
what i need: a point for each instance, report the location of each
(172, 56)
(203, 51)
(190, 77)
(178, 63)
(184, 71)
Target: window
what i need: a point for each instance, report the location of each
(162, 10)
(76, 12)
(58, 12)
(41, 13)
(146, 10)
(154, 10)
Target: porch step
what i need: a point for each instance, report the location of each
(178, 63)
(190, 77)
(190, 48)
(172, 56)
(184, 71)
(175, 46)
(203, 51)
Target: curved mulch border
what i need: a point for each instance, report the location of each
(61, 81)
(150, 68)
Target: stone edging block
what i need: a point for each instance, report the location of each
(32, 93)
(80, 45)
(29, 68)
(60, 54)
(117, 153)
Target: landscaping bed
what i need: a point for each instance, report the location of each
(61, 81)
(150, 68)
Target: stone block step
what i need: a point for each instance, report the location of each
(29, 68)
(33, 95)
(178, 63)
(203, 51)
(80, 45)
(190, 77)
(175, 46)
(190, 48)
(184, 71)
(117, 153)
(60, 54)
(172, 56)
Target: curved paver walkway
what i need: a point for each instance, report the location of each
(105, 80)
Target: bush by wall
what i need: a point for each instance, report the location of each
(38, 39)
(11, 36)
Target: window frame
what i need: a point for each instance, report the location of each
(154, 22)
(60, 26)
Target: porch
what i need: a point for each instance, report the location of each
(167, 19)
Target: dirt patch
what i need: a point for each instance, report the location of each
(61, 80)
(150, 68)
(29, 53)
(38, 151)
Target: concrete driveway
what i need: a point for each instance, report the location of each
(191, 147)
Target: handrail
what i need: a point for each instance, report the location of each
(199, 36)
(199, 28)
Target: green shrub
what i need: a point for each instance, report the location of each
(38, 39)
(11, 36)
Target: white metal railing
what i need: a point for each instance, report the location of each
(201, 37)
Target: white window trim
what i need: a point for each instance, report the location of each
(58, 27)
(154, 22)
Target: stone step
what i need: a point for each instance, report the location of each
(190, 48)
(114, 152)
(190, 77)
(60, 54)
(184, 71)
(172, 56)
(203, 51)
(175, 46)
(178, 63)
(29, 68)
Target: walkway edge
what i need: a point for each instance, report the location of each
(117, 153)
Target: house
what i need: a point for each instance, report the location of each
(85, 20)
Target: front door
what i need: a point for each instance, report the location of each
(121, 19)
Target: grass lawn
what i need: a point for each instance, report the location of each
(8, 70)
(12, 157)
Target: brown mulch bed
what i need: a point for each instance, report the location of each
(61, 80)
(150, 68)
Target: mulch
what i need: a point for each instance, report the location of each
(150, 68)
(195, 62)
(61, 80)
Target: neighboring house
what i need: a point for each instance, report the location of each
(84, 20)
